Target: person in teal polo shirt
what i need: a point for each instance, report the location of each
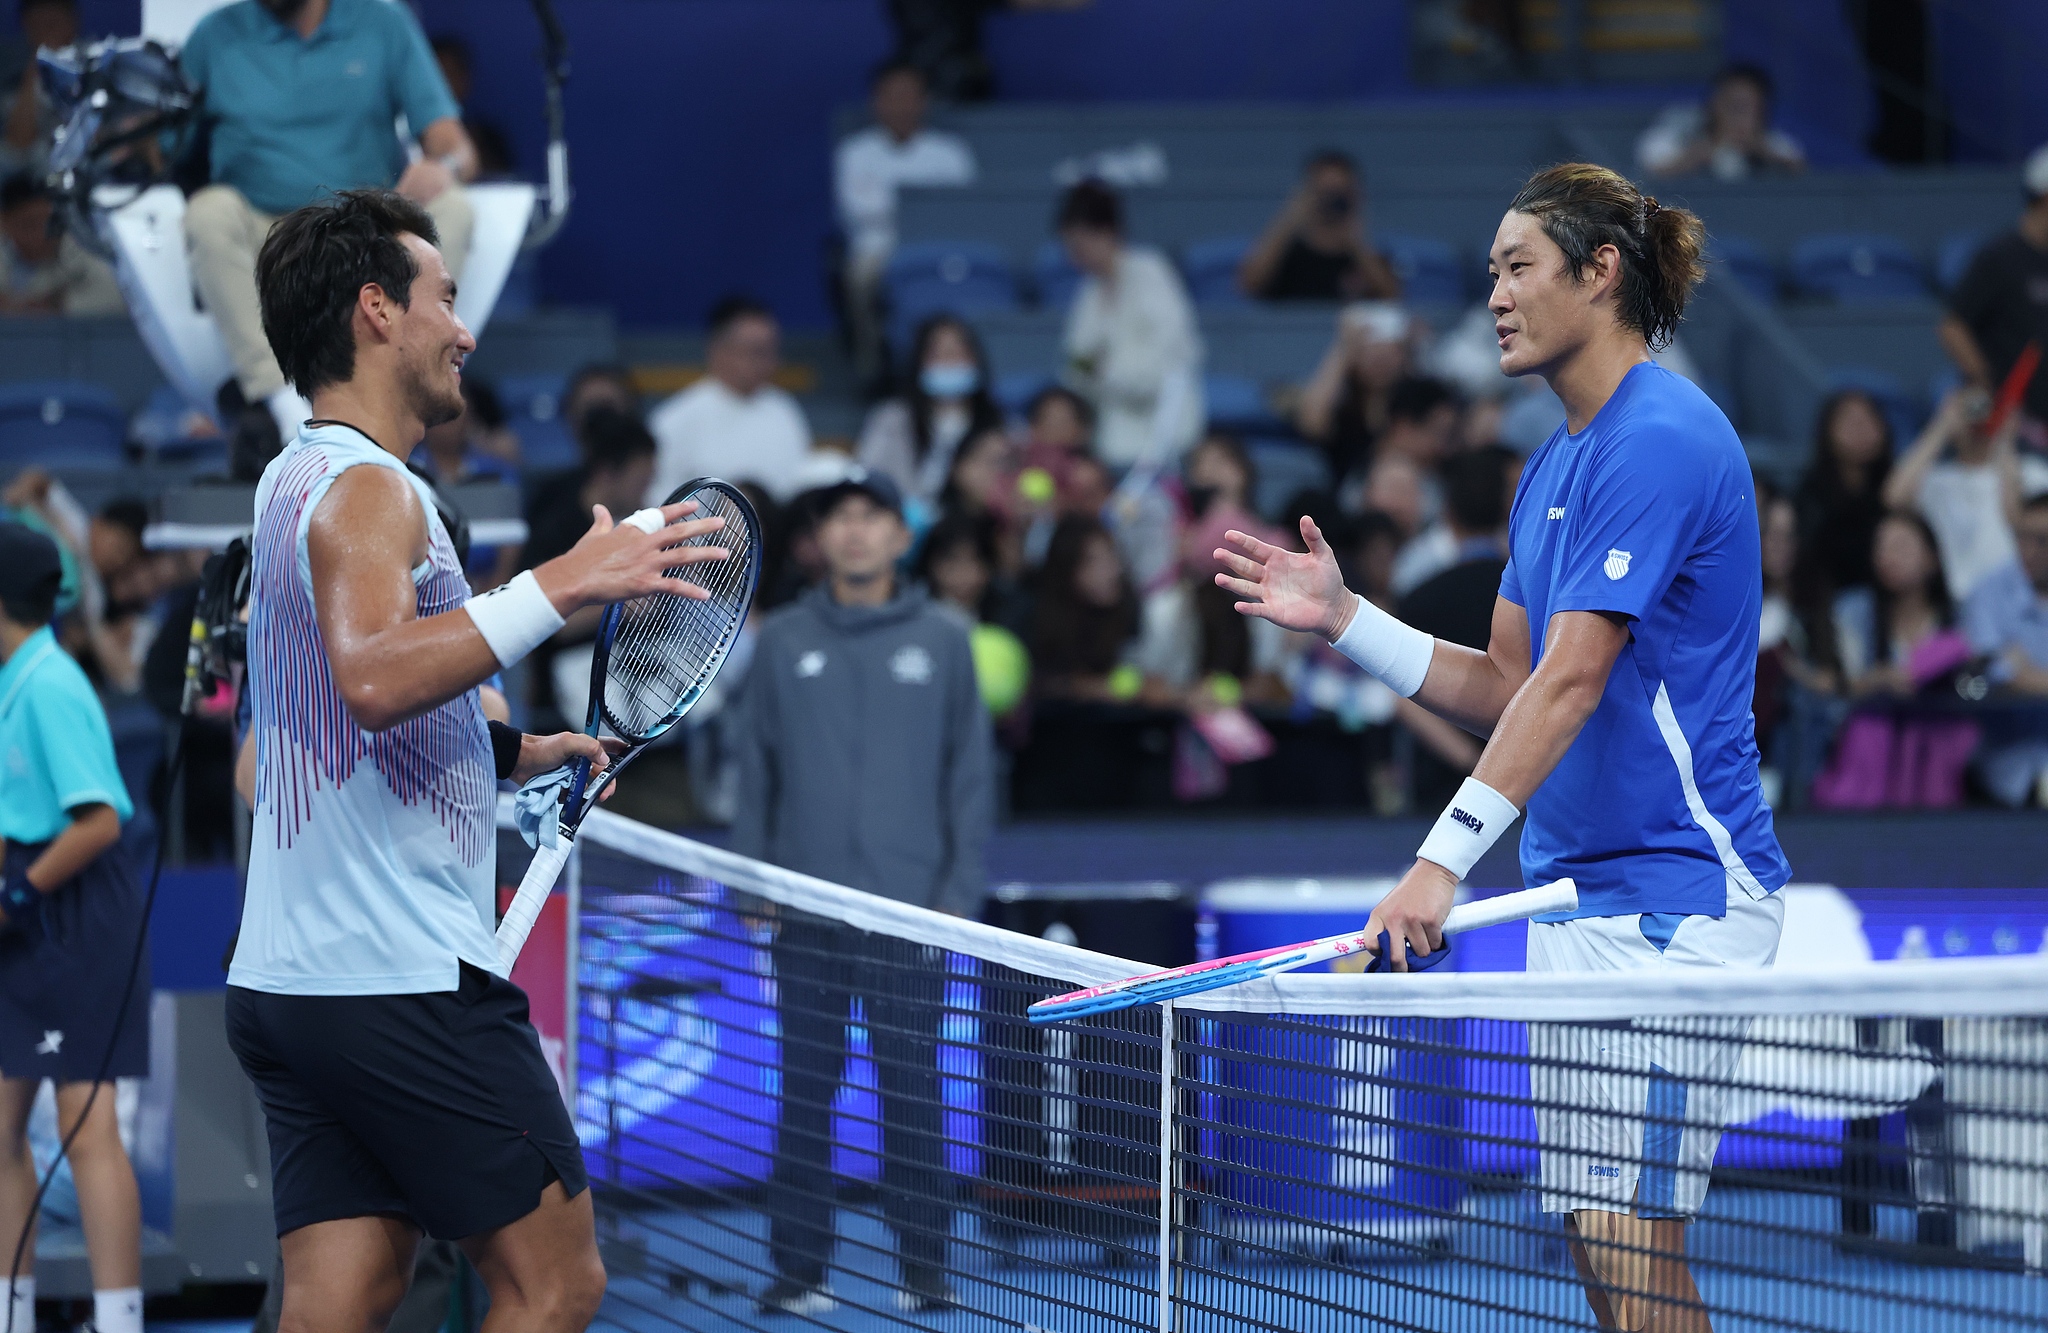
(70, 922)
(302, 97)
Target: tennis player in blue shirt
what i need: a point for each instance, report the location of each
(1615, 696)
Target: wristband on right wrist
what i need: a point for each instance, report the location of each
(1471, 823)
(1398, 655)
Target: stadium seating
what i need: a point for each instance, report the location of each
(1210, 267)
(1745, 262)
(1429, 269)
(533, 409)
(1236, 404)
(1952, 257)
(929, 278)
(1015, 389)
(1284, 469)
(1053, 276)
(1902, 409)
(61, 423)
(1857, 267)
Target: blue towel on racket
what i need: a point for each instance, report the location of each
(537, 809)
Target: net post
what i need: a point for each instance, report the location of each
(572, 988)
(1166, 1071)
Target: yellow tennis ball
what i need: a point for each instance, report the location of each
(1227, 690)
(1002, 668)
(1125, 682)
(1036, 485)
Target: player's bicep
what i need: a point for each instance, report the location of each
(1508, 643)
(365, 537)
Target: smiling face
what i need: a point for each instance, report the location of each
(431, 340)
(1901, 558)
(1542, 311)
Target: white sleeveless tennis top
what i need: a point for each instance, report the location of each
(372, 863)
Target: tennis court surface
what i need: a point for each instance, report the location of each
(779, 1077)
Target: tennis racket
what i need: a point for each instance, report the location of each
(1155, 987)
(654, 657)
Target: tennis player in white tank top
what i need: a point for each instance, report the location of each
(404, 1089)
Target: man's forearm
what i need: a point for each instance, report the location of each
(1467, 687)
(1539, 724)
(92, 830)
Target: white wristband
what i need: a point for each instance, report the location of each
(1470, 824)
(515, 618)
(1397, 654)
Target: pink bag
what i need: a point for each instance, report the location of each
(1886, 761)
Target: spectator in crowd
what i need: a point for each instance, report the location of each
(43, 272)
(619, 460)
(1132, 347)
(2006, 619)
(865, 759)
(943, 400)
(734, 422)
(1422, 421)
(594, 386)
(1316, 248)
(958, 564)
(1786, 652)
(942, 40)
(981, 481)
(1966, 484)
(25, 117)
(1895, 640)
(270, 155)
(1343, 406)
(493, 147)
(1842, 496)
(1729, 136)
(2001, 303)
(1085, 616)
(868, 168)
(1448, 576)
(473, 446)
(1395, 487)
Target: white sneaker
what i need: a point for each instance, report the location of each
(787, 1297)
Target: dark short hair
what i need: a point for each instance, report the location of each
(1583, 207)
(451, 44)
(1414, 397)
(1060, 393)
(1091, 204)
(2038, 500)
(1332, 157)
(313, 264)
(1476, 486)
(482, 402)
(952, 532)
(614, 439)
(127, 513)
(730, 310)
(18, 189)
(1744, 71)
(889, 69)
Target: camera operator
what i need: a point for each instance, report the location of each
(1316, 248)
(301, 96)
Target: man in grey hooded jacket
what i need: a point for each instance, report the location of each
(864, 759)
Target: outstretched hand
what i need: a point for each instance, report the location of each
(617, 560)
(1293, 590)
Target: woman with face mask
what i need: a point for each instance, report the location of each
(944, 400)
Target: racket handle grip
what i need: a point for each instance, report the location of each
(534, 889)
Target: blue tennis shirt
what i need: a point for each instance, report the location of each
(295, 116)
(1647, 513)
(56, 753)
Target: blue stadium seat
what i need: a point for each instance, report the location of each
(947, 261)
(1857, 266)
(1015, 389)
(1429, 269)
(926, 278)
(1237, 404)
(1952, 257)
(1285, 469)
(1054, 276)
(61, 423)
(533, 409)
(1210, 268)
(1745, 264)
(1905, 412)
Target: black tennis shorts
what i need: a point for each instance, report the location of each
(63, 977)
(437, 1107)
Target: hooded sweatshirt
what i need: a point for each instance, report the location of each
(865, 756)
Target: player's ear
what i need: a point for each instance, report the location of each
(1605, 276)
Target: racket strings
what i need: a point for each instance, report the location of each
(668, 647)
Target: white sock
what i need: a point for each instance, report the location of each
(22, 1305)
(289, 410)
(116, 1311)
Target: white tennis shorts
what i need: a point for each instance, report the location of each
(1628, 1114)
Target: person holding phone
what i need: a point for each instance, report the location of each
(1316, 248)
(1963, 476)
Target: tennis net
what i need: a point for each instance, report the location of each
(787, 1088)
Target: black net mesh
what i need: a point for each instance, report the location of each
(777, 1104)
(669, 647)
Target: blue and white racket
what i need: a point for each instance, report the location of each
(654, 658)
(1171, 984)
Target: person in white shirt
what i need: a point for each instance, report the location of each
(1728, 136)
(733, 423)
(1132, 346)
(1969, 498)
(867, 168)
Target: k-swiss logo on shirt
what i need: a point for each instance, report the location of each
(1616, 564)
(1556, 512)
(911, 665)
(810, 664)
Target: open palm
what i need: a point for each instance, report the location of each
(1293, 590)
